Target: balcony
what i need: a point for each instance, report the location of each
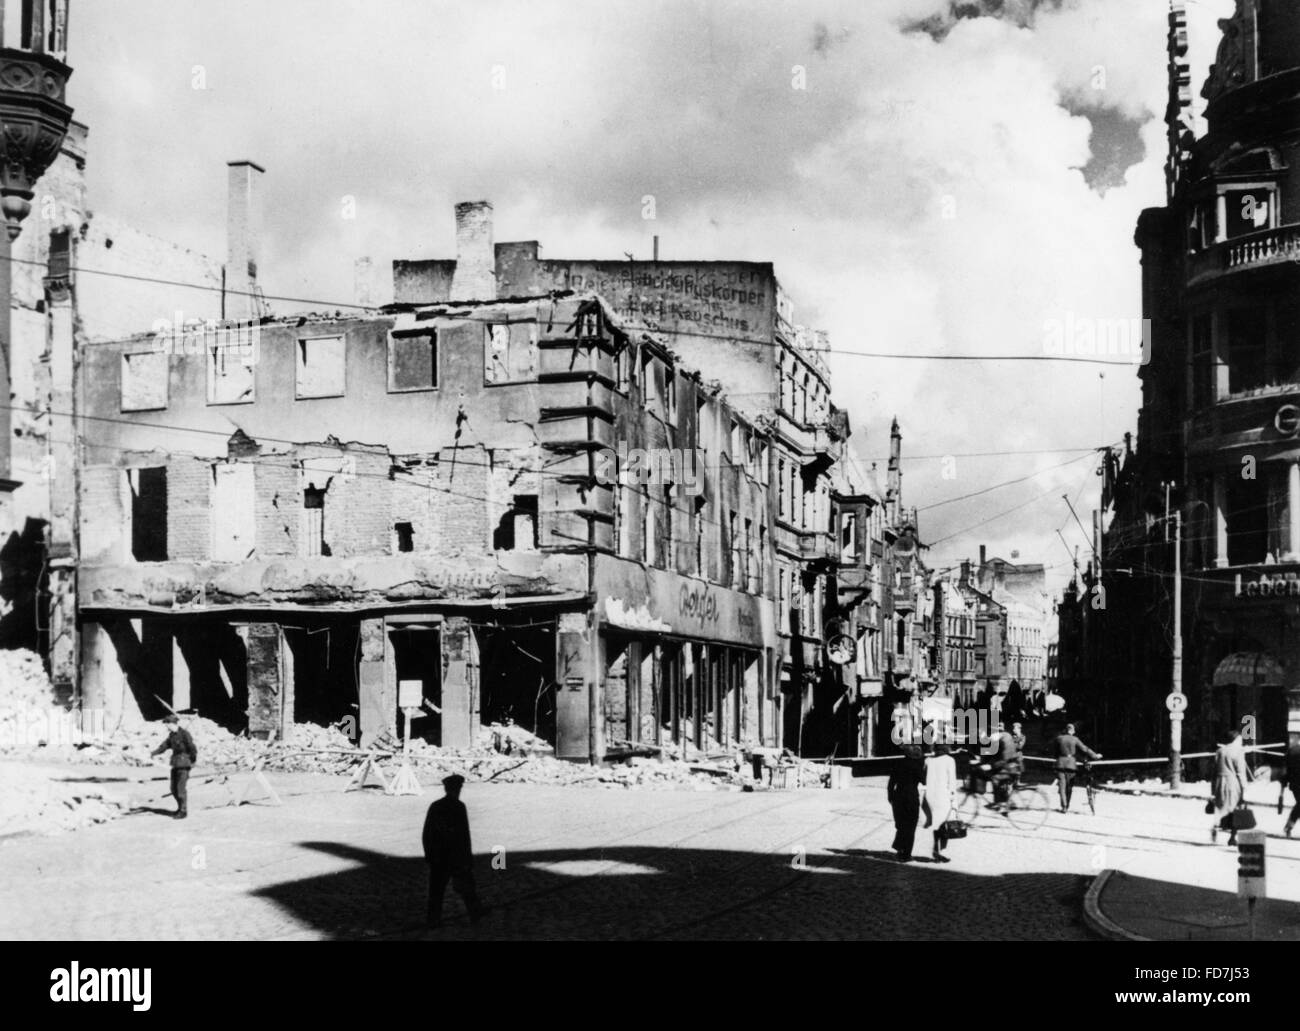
(1249, 418)
(816, 548)
(1280, 246)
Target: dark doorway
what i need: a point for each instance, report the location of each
(417, 660)
(519, 677)
(325, 657)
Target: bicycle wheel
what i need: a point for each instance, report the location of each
(1029, 808)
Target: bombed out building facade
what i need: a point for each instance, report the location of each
(519, 493)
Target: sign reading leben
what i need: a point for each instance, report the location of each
(677, 605)
(1265, 586)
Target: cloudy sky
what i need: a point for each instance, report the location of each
(929, 178)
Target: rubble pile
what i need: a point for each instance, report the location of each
(503, 753)
(24, 684)
(34, 803)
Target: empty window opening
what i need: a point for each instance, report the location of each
(405, 534)
(320, 367)
(230, 373)
(417, 662)
(313, 522)
(144, 381)
(148, 514)
(849, 538)
(517, 530)
(412, 361)
(510, 352)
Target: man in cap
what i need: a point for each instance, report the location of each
(448, 852)
(183, 756)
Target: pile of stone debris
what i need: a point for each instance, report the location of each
(503, 753)
(36, 800)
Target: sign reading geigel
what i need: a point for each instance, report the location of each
(1250, 865)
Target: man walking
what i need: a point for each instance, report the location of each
(1293, 781)
(184, 755)
(1067, 747)
(448, 852)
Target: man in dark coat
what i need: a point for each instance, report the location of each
(904, 793)
(448, 852)
(1293, 781)
(1067, 747)
(183, 756)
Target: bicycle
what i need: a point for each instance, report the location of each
(1026, 807)
(1085, 774)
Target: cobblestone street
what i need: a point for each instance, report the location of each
(571, 863)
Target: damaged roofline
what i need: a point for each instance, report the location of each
(570, 599)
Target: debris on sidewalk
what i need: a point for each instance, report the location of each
(35, 802)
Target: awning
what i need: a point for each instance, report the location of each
(1248, 669)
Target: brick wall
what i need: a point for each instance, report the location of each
(189, 486)
(278, 501)
(459, 514)
(358, 508)
(412, 502)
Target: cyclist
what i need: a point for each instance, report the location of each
(1067, 747)
(1005, 761)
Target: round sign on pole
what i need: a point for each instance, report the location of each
(1176, 701)
(841, 649)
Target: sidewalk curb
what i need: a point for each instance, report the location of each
(1098, 921)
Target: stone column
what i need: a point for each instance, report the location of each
(1293, 510)
(459, 683)
(377, 687)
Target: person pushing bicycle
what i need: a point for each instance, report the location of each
(1067, 748)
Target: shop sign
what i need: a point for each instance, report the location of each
(1280, 586)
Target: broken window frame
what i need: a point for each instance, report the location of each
(162, 358)
(303, 346)
(491, 361)
(411, 335)
(219, 352)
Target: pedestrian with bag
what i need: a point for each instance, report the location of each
(1067, 748)
(184, 755)
(904, 794)
(940, 797)
(1231, 775)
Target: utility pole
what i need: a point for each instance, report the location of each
(1177, 701)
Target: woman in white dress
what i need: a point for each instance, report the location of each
(940, 796)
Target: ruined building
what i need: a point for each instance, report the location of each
(447, 504)
(732, 321)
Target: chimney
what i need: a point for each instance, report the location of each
(981, 556)
(363, 282)
(965, 570)
(243, 239)
(475, 278)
